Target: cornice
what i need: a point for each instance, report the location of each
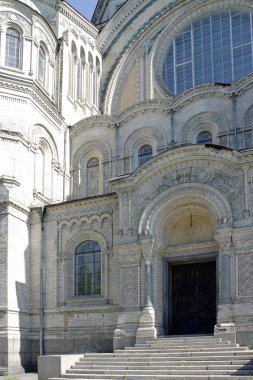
(78, 19)
(91, 122)
(29, 87)
(182, 157)
(165, 106)
(16, 205)
(49, 4)
(115, 27)
(78, 204)
(9, 181)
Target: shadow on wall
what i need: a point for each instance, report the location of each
(29, 337)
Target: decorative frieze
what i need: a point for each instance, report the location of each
(18, 19)
(228, 184)
(79, 209)
(190, 249)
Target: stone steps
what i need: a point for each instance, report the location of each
(162, 363)
(176, 358)
(162, 377)
(140, 366)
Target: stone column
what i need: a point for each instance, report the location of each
(147, 330)
(225, 327)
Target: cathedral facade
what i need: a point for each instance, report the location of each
(126, 174)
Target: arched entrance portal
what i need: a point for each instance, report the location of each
(192, 298)
(183, 223)
(191, 276)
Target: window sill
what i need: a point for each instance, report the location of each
(42, 87)
(88, 300)
(37, 195)
(12, 69)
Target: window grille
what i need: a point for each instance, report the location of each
(42, 66)
(204, 138)
(13, 46)
(145, 154)
(214, 49)
(88, 269)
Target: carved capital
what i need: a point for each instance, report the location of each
(147, 247)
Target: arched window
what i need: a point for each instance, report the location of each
(43, 172)
(97, 83)
(42, 66)
(93, 177)
(90, 80)
(73, 72)
(82, 77)
(204, 138)
(88, 269)
(13, 48)
(40, 170)
(145, 154)
(214, 49)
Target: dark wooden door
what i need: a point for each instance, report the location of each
(193, 298)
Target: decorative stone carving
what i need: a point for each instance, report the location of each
(129, 258)
(70, 25)
(190, 249)
(86, 235)
(80, 210)
(41, 36)
(146, 132)
(204, 118)
(130, 285)
(96, 145)
(229, 185)
(37, 132)
(245, 275)
(25, 25)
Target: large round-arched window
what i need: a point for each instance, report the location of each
(88, 268)
(214, 49)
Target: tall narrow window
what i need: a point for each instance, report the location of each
(13, 48)
(82, 77)
(73, 72)
(97, 83)
(90, 80)
(204, 138)
(92, 177)
(42, 66)
(145, 154)
(88, 269)
(40, 170)
(43, 170)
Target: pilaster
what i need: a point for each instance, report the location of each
(147, 330)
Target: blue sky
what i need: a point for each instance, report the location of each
(86, 7)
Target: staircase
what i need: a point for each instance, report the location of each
(185, 357)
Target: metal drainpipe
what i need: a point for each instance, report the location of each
(66, 137)
(43, 212)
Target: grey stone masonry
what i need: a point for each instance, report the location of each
(186, 357)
